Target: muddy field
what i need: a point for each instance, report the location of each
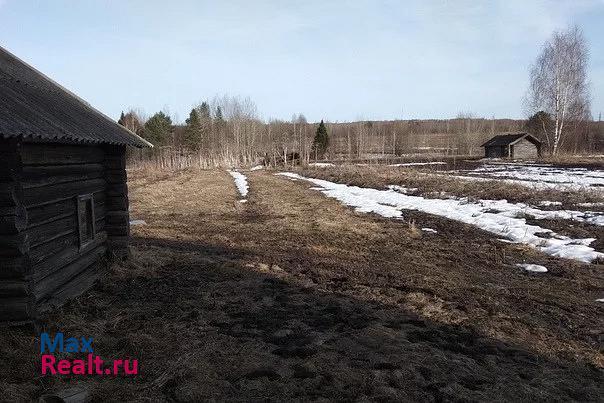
(293, 296)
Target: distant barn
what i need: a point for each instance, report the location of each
(63, 191)
(513, 146)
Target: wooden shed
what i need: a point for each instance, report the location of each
(63, 192)
(513, 146)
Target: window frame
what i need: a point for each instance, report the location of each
(86, 198)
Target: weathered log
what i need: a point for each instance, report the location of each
(118, 218)
(43, 251)
(115, 157)
(76, 286)
(119, 203)
(55, 211)
(117, 190)
(13, 219)
(116, 176)
(38, 196)
(14, 267)
(41, 176)
(16, 309)
(11, 194)
(52, 230)
(46, 287)
(64, 257)
(10, 160)
(14, 245)
(14, 288)
(49, 154)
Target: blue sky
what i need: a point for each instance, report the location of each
(335, 60)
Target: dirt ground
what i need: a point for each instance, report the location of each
(292, 296)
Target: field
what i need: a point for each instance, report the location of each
(342, 288)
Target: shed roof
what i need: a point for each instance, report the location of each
(32, 106)
(510, 139)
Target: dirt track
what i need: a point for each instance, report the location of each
(293, 296)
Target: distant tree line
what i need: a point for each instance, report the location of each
(210, 137)
(226, 131)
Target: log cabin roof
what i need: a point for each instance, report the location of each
(510, 139)
(34, 107)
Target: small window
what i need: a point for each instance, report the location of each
(86, 219)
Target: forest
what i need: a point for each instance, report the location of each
(227, 132)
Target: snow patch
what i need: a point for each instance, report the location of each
(431, 230)
(138, 222)
(257, 168)
(539, 176)
(413, 164)
(321, 164)
(536, 268)
(600, 300)
(597, 204)
(496, 216)
(546, 203)
(240, 182)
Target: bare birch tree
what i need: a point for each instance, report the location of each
(558, 83)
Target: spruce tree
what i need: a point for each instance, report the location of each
(158, 128)
(218, 114)
(204, 111)
(193, 131)
(121, 119)
(321, 140)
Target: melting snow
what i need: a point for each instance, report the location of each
(240, 182)
(533, 267)
(496, 216)
(412, 164)
(321, 164)
(432, 230)
(540, 176)
(256, 168)
(546, 203)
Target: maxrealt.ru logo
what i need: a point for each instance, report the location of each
(92, 365)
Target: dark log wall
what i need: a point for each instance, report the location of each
(16, 295)
(117, 217)
(42, 259)
(53, 177)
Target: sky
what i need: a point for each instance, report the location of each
(333, 60)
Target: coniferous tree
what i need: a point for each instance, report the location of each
(193, 131)
(218, 114)
(204, 111)
(121, 119)
(321, 141)
(158, 128)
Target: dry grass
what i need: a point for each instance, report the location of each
(570, 160)
(295, 297)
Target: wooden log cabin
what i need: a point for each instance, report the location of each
(513, 146)
(63, 192)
